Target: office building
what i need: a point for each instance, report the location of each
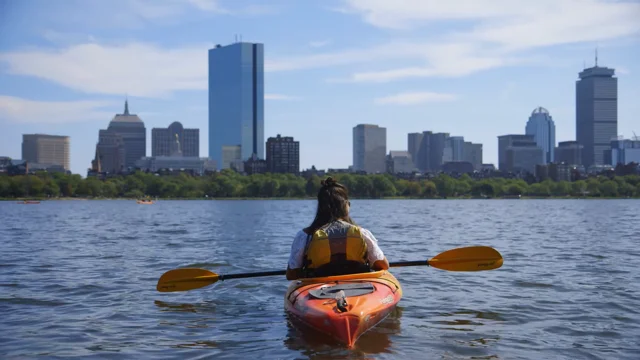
(505, 141)
(596, 113)
(236, 101)
(254, 165)
(455, 144)
(472, 153)
(569, 152)
(400, 162)
(283, 155)
(231, 154)
(369, 148)
(46, 150)
(624, 151)
(413, 146)
(523, 158)
(433, 150)
(110, 153)
(193, 164)
(163, 141)
(123, 142)
(543, 129)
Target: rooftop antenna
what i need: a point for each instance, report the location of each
(240, 37)
(596, 56)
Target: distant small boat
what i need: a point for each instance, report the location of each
(144, 202)
(29, 202)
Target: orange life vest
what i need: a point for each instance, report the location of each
(335, 249)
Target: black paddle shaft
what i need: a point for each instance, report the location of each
(284, 272)
(409, 263)
(250, 275)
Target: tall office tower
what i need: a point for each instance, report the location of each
(236, 102)
(369, 148)
(413, 146)
(596, 113)
(46, 149)
(454, 149)
(123, 142)
(283, 155)
(541, 126)
(433, 151)
(163, 141)
(473, 154)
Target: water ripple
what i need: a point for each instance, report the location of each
(78, 280)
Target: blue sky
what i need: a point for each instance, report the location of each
(473, 68)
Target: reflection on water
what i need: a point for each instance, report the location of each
(317, 345)
(203, 307)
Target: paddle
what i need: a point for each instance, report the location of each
(472, 258)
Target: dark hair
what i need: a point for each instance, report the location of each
(333, 198)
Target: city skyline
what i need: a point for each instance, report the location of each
(316, 79)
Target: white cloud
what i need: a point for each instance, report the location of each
(19, 110)
(495, 33)
(319, 44)
(280, 97)
(137, 69)
(414, 98)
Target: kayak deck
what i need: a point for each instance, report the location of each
(368, 299)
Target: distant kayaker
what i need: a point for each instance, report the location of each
(333, 244)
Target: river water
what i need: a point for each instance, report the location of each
(77, 279)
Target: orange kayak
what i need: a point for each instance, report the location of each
(343, 307)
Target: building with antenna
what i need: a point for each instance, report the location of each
(122, 143)
(236, 103)
(596, 113)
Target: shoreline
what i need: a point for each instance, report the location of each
(313, 198)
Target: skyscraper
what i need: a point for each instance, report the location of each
(123, 143)
(541, 126)
(46, 149)
(413, 146)
(473, 154)
(283, 155)
(236, 99)
(596, 113)
(163, 141)
(369, 148)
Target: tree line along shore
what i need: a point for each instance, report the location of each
(229, 184)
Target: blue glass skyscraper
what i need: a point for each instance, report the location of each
(236, 102)
(543, 129)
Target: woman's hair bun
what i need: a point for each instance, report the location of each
(328, 182)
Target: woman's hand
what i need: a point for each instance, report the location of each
(381, 264)
(293, 274)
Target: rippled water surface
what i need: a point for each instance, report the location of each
(77, 279)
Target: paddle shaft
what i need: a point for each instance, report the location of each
(409, 263)
(284, 272)
(249, 275)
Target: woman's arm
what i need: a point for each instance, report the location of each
(374, 254)
(294, 266)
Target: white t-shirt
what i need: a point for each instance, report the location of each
(300, 242)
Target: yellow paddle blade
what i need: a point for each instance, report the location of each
(185, 279)
(472, 258)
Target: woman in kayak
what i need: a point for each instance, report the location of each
(333, 244)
